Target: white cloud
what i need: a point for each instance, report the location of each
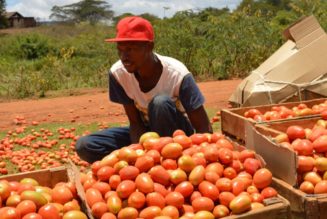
(42, 8)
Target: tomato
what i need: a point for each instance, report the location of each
(105, 172)
(117, 167)
(195, 195)
(225, 198)
(148, 135)
(155, 155)
(216, 168)
(316, 133)
(251, 165)
(203, 215)
(211, 153)
(26, 206)
(74, 215)
(293, 132)
(160, 175)
(155, 199)
(128, 213)
(38, 198)
(144, 183)
(225, 155)
(136, 200)
(175, 199)
(307, 187)
(240, 204)
(108, 215)
(98, 209)
(183, 140)
(303, 147)
(9, 213)
(256, 205)
(220, 211)
(224, 184)
(32, 216)
(144, 163)
(230, 172)
(198, 138)
(312, 177)
(251, 113)
(238, 186)
(172, 151)
(321, 187)
(169, 164)
(320, 144)
(177, 176)
(151, 143)
(224, 143)
(268, 192)
(92, 196)
(49, 211)
(305, 163)
(246, 153)
(96, 166)
(186, 163)
(160, 189)
(237, 166)
(72, 205)
(209, 190)
(13, 200)
(126, 188)
(129, 173)
(114, 181)
(109, 160)
(114, 204)
(211, 177)
(103, 187)
(197, 175)
(4, 190)
(150, 212)
(262, 178)
(257, 197)
(202, 204)
(170, 211)
(185, 188)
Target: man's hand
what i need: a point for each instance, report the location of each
(137, 127)
(199, 120)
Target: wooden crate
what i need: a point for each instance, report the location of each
(48, 177)
(276, 208)
(303, 206)
(233, 122)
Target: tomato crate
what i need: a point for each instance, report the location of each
(303, 206)
(233, 121)
(47, 177)
(283, 163)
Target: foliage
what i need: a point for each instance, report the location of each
(212, 43)
(92, 11)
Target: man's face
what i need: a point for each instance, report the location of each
(133, 54)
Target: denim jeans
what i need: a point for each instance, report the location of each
(164, 118)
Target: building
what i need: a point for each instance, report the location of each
(17, 20)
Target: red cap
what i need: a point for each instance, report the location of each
(133, 29)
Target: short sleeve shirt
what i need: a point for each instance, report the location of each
(175, 81)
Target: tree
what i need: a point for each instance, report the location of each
(86, 10)
(3, 20)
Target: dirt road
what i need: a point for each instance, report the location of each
(94, 106)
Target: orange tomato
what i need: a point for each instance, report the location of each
(49, 211)
(175, 199)
(129, 173)
(150, 212)
(105, 172)
(126, 188)
(202, 204)
(32, 216)
(172, 151)
(26, 206)
(183, 140)
(93, 196)
(136, 200)
(98, 209)
(197, 175)
(144, 163)
(74, 215)
(220, 211)
(155, 199)
(159, 175)
(185, 188)
(225, 198)
(128, 213)
(144, 183)
(209, 190)
(170, 211)
(262, 178)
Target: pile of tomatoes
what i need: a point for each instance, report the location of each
(26, 199)
(283, 112)
(197, 176)
(310, 144)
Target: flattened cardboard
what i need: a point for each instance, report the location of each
(290, 70)
(281, 161)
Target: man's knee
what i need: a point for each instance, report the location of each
(81, 148)
(160, 101)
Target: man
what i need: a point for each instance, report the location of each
(158, 93)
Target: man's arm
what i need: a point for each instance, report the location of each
(199, 120)
(137, 127)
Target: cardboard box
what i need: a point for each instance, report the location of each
(233, 120)
(282, 162)
(296, 69)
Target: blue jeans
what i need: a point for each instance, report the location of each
(164, 118)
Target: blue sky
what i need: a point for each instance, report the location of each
(42, 8)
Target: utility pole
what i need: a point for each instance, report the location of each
(165, 8)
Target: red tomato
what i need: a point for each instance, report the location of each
(303, 147)
(114, 204)
(183, 140)
(144, 163)
(251, 165)
(150, 212)
(93, 196)
(186, 163)
(198, 138)
(160, 189)
(293, 132)
(197, 175)
(216, 168)
(9, 213)
(257, 197)
(155, 155)
(169, 164)
(49, 211)
(268, 192)
(185, 188)
(74, 215)
(32, 216)
(211, 153)
(305, 163)
(240, 204)
(307, 187)
(155, 199)
(126, 188)
(128, 213)
(202, 204)
(170, 211)
(320, 144)
(98, 209)
(175, 199)
(230, 173)
(127, 154)
(225, 198)
(136, 200)
(225, 155)
(246, 153)
(160, 175)
(172, 151)
(224, 184)
(129, 173)
(26, 206)
(224, 143)
(103, 187)
(105, 172)
(220, 211)
(144, 183)
(108, 215)
(262, 178)
(209, 190)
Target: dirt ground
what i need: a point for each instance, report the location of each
(94, 106)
